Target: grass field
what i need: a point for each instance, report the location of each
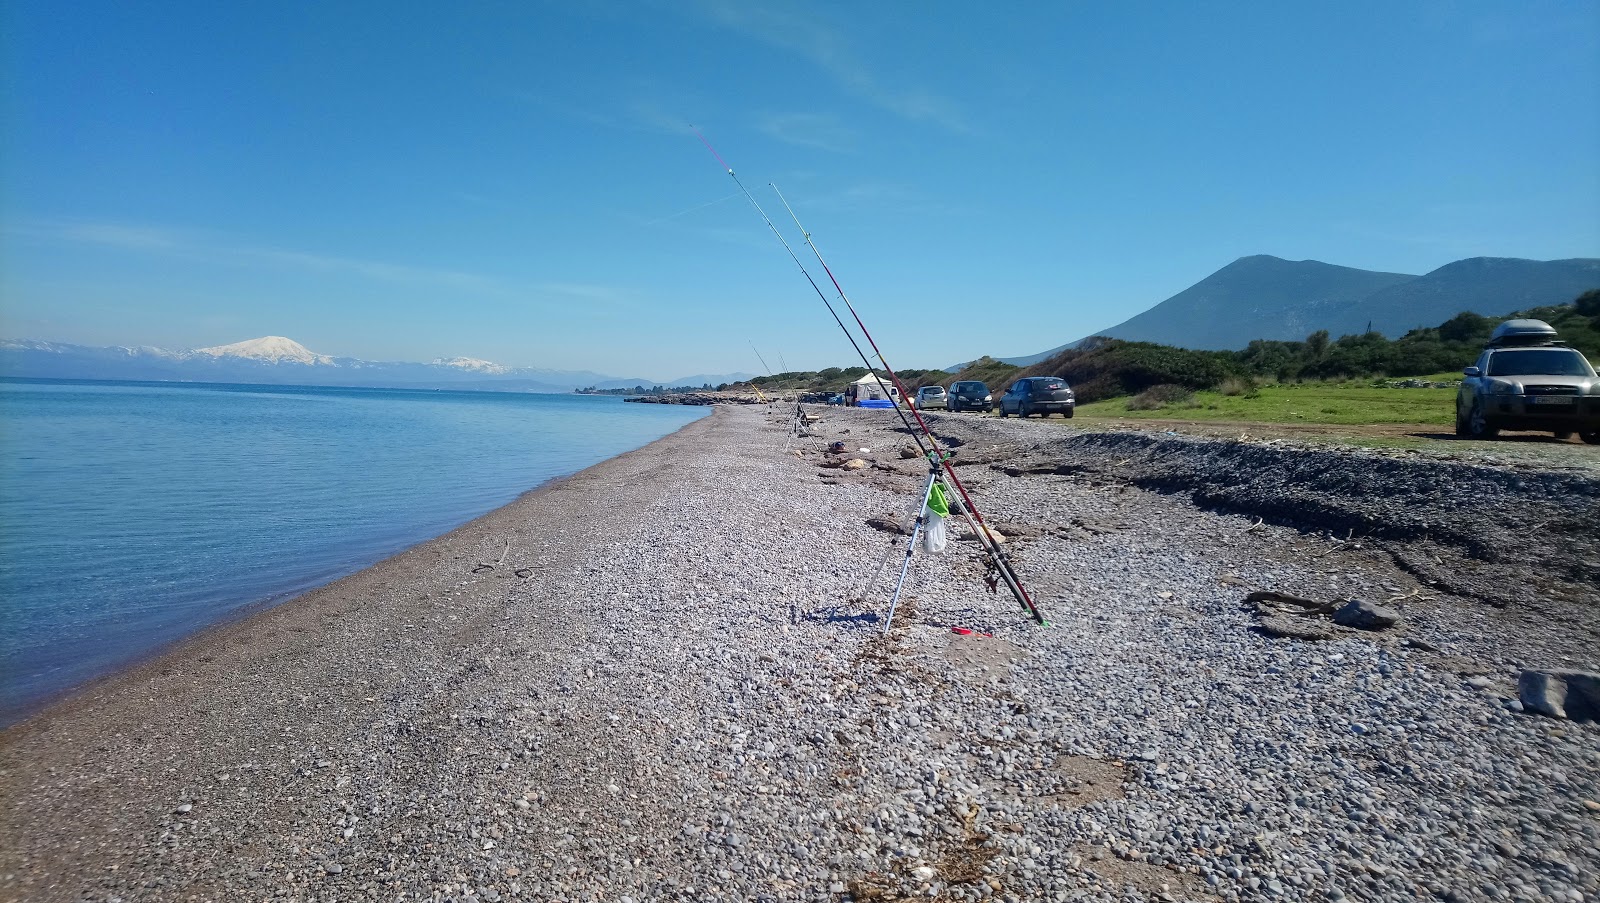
(1308, 403)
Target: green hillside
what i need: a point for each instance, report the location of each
(1103, 368)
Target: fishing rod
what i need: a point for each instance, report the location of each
(998, 561)
(759, 393)
(996, 554)
(763, 361)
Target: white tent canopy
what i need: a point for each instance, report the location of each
(874, 386)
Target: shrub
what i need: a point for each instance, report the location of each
(1238, 385)
(1157, 397)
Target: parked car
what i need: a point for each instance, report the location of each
(1043, 395)
(1526, 379)
(931, 397)
(969, 395)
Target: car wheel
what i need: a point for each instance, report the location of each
(1564, 435)
(1067, 413)
(1478, 426)
(1002, 412)
(1024, 411)
(1461, 424)
(1590, 436)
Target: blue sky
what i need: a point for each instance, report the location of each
(517, 181)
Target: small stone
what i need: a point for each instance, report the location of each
(333, 868)
(184, 809)
(923, 873)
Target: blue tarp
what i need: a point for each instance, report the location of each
(875, 403)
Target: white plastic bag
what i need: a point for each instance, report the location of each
(933, 537)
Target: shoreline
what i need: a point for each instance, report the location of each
(212, 632)
(682, 700)
(268, 559)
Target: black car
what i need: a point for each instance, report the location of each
(969, 395)
(1042, 395)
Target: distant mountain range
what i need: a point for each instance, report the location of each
(1265, 297)
(275, 360)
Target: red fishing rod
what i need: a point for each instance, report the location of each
(996, 555)
(999, 562)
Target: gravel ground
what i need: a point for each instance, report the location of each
(665, 691)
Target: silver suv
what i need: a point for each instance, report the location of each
(930, 397)
(1526, 380)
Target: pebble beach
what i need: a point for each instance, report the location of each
(667, 677)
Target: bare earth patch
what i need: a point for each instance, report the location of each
(1150, 879)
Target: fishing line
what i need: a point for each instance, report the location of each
(687, 212)
(806, 273)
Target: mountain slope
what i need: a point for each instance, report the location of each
(1260, 297)
(1265, 297)
(1491, 286)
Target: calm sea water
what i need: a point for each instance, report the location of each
(133, 514)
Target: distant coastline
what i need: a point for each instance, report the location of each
(275, 360)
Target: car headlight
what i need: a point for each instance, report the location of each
(1501, 387)
(988, 398)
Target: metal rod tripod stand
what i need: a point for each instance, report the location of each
(916, 533)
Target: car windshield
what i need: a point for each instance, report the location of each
(1539, 362)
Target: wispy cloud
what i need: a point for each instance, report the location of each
(658, 115)
(649, 109)
(829, 49)
(139, 238)
(823, 131)
(879, 197)
(157, 240)
(584, 291)
(371, 269)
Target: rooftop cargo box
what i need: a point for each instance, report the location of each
(1522, 332)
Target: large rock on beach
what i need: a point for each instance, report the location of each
(1561, 694)
(1365, 616)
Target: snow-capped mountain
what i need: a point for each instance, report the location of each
(472, 364)
(275, 360)
(272, 349)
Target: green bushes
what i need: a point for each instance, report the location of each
(1157, 397)
(1103, 368)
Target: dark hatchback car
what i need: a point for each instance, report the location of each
(970, 395)
(1042, 395)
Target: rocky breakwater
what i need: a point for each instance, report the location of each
(702, 398)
